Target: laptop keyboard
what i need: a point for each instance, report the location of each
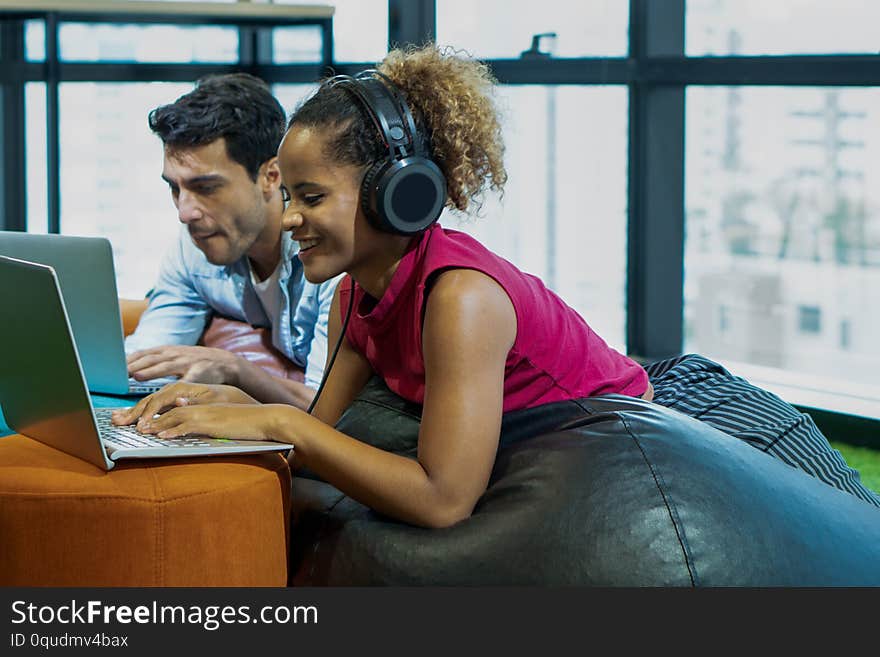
(136, 387)
(126, 437)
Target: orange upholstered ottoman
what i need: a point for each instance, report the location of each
(219, 521)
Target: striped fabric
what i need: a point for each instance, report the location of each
(703, 389)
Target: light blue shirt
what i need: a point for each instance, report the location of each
(190, 290)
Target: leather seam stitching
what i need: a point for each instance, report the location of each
(157, 527)
(658, 480)
(324, 520)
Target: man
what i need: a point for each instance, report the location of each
(231, 258)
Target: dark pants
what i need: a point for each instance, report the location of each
(703, 389)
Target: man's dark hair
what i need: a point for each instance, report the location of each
(238, 107)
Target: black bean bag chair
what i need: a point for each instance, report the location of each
(607, 491)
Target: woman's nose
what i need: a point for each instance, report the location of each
(291, 220)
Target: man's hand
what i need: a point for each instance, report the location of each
(195, 364)
(176, 395)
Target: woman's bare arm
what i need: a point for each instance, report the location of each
(469, 328)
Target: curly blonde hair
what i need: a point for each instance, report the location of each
(454, 96)
(451, 97)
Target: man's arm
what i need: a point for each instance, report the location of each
(269, 389)
(163, 344)
(177, 314)
(314, 310)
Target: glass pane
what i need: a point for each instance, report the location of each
(291, 95)
(147, 43)
(758, 27)
(493, 29)
(110, 175)
(563, 214)
(783, 232)
(296, 44)
(35, 40)
(35, 148)
(360, 28)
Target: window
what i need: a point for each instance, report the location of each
(291, 95)
(845, 331)
(35, 145)
(781, 185)
(809, 319)
(563, 214)
(495, 29)
(723, 319)
(35, 40)
(84, 42)
(783, 215)
(758, 27)
(147, 43)
(110, 174)
(296, 44)
(360, 30)
(109, 162)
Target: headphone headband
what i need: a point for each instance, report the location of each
(388, 109)
(405, 191)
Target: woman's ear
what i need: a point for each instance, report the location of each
(269, 178)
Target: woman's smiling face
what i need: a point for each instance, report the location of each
(323, 213)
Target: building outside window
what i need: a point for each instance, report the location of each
(809, 319)
(783, 199)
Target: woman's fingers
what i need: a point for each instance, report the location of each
(172, 419)
(182, 429)
(169, 397)
(161, 402)
(236, 421)
(130, 415)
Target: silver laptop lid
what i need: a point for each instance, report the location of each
(42, 389)
(84, 266)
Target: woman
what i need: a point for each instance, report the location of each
(446, 323)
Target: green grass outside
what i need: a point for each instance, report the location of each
(863, 459)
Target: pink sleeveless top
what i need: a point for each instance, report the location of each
(555, 356)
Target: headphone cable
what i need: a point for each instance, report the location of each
(335, 349)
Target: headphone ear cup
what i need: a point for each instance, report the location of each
(405, 196)
(369, 192)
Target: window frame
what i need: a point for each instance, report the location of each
(253, 57)
(655, 71)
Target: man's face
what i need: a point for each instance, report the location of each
(224, 210)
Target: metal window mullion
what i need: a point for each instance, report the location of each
(655, 271)
(247, 46)
(254, 47)
(576, 71)
(53, 159)
(776, 70)
(655, 246)
(411, 22)
(326, 46)
(13, 181)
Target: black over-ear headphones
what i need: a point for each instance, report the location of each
(405, 191)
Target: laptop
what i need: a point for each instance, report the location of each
(84, 266)
(42, 389)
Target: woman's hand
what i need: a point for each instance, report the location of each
(236, 421)
(176, 395)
